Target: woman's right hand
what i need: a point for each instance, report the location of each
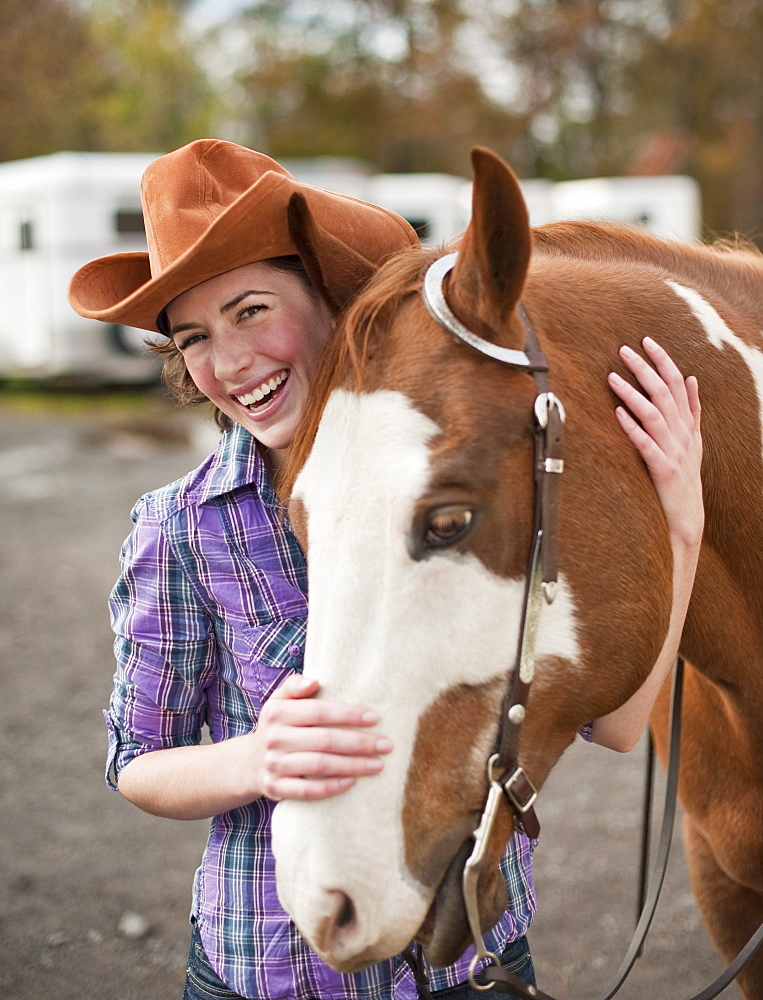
(307, 748)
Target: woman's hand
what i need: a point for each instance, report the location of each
(311, 749)
(666, 433)
(302, 749)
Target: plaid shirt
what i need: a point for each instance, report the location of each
(210, 616)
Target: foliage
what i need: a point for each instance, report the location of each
(561, 88)
(387, 81)
(121, 75)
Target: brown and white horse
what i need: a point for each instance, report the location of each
(414, 501)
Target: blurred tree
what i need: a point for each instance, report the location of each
(120, 75)
(48, 69)
(387, 81)
(704, 80)
(561, 88)
(157, 96)
(646, 86)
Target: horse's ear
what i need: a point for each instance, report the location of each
(336, 271)
(495, 252)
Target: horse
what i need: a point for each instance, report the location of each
(412, 492)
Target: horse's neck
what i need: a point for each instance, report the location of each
(734, 275)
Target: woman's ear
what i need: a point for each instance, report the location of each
(336, 271)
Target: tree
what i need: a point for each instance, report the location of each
(121, 75)
(157, 96)
(49, 67)
(383, 80)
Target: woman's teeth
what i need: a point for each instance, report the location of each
(263, 391)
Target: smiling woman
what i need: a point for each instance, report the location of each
(210, 609)
(250, 340)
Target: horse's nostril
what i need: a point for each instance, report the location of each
(339, 923)
(346, 915)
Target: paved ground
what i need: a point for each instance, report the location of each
(94, 893)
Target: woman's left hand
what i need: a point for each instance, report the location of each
(666, 432)
(664, 427)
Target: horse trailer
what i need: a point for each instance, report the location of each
(59, 211)
(56, 213)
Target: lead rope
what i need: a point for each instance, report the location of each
(415, 959)
(505, 982)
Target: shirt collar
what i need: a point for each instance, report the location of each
(236, 462)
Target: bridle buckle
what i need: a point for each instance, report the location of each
(520, 791)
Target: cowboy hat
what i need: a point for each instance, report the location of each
(212, 206)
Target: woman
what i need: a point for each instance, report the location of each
(210, 610)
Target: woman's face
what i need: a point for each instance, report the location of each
(251, 339)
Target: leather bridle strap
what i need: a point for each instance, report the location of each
(542, 570)
(505, 776)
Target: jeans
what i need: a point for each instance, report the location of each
(203, 983)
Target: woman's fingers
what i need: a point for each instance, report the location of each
(663, 422)
(298, 788)
(667, 409)
(293, 704)
(669, 374)
(315, 748)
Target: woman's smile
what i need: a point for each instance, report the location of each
(261, 401)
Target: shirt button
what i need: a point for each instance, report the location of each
(295, 649)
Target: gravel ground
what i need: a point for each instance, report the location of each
(95, 894)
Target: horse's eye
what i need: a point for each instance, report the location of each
(447, 526)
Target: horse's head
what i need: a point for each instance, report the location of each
(414, 502)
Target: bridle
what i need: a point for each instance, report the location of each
(505, 775)
(506, 778)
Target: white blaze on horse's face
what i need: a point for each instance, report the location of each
(393, 633)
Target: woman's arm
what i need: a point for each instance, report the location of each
(302, 748)
(666, 433)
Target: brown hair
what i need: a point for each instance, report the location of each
(175, 374)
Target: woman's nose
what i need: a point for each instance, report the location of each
(233, 355)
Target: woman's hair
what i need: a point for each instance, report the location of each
(175, 374)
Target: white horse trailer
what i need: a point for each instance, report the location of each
(59, 211)
(56, 213)
(439, 207)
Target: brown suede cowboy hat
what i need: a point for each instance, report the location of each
(212, 206)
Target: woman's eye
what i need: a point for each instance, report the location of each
(188, 341)
(447, 526)
(249, 311)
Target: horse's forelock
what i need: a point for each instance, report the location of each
(347, 350)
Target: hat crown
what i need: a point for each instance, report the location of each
(185, 191)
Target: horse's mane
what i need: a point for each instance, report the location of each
(400, 277)
(733, 269)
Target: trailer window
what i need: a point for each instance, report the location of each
(26, 235)
(129, 220)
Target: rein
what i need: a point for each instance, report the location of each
(505, 776)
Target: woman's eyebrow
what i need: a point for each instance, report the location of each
(239, 298)
(182, 327)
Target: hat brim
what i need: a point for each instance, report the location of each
(119, 288)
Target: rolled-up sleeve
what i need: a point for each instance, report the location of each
(164, 648)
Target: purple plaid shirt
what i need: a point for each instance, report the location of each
(210, 617)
